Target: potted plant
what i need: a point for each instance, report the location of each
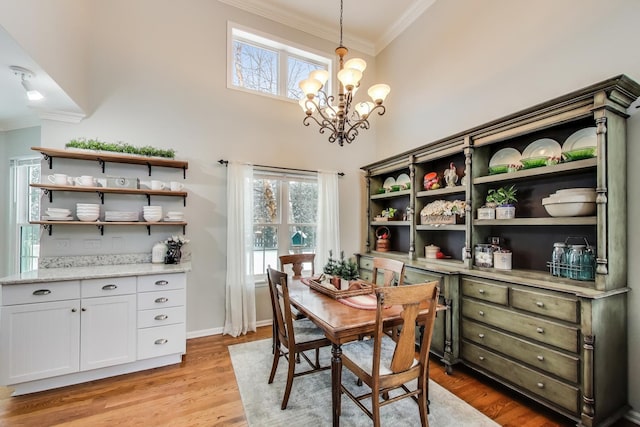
(341, 272)
(504, 199)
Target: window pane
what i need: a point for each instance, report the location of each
(303, 202)
(265, 248)
(255, 68)
(266, 196)
(299, 69)
(303, 238)
(29, 247)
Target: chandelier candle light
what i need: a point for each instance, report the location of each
(341, 120)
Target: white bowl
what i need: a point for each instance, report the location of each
(569, 208)
(87, 205)
(568, 197)
(152, 218)
(576, 190)
(87, 218)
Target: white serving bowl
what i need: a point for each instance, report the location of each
(152, 218)
(576, 190)
(555, 208)
(87, 205)
(88, 217)
(565, 198)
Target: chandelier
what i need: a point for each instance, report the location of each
(345, 119)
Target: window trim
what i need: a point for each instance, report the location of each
(271, 42)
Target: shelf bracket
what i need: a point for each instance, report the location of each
(101, 195)
(149, 166)
(49, 193)
(49, 159)
(101, 162)
(48, 227)
(184, 172)
(184, 201)
(149, 230)
(184, 229)
(101, 228)
(148, 199)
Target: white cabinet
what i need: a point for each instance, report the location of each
(108, 326)
(161, 315)
(39, 340)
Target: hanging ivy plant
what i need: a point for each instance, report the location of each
(120, 147)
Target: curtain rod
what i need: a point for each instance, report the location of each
(226, 162)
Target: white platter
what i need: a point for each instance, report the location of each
(57, 218)
(389, 182)
(403, 181)
(584, 138)
(545, 147)
(506, 156)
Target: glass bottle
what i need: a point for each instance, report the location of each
(558, 260)
(577, 262)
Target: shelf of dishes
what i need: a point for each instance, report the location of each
(90, 212)
(559, 168)
(580, 145)
(391, 184)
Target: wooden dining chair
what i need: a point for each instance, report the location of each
(392, 271)
(386, 365)
(294, 338)
(296, 261)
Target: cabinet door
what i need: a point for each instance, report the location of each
(108, 333)
(39, 340)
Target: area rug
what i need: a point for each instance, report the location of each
(310, 400)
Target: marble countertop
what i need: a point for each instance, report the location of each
(93, 272)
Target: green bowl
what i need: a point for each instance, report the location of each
(579, 154)
(395, 188)
(533, 162)
(493, 170)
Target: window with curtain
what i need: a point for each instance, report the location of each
(25, 207)
(285, 217)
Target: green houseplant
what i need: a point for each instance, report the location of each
(503, 199)
(120, 147)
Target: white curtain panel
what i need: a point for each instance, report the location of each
(240, 287)
(328, 234)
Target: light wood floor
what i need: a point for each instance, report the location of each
(202, 391)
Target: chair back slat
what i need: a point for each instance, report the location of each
(297, 261)
(392, 269)
(281, 306)
(410, 297)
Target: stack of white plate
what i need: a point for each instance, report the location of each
(121, 216)
(87, 211)
(175, 216)
(152, 213)
(58, 214)
(571, 202)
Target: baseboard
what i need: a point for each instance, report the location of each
(218, 331)
(633, 416)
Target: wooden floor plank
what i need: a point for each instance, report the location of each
(202, 391)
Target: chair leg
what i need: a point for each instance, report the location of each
(274, 365)
(375, 407)
(287, 389)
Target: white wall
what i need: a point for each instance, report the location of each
(466, 62)
(157, 76)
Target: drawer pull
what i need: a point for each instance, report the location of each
(540, 304)
(481, 357)
(161, 317)
(481, 313)
(73, 310)
(540, 385)
(162, 299)
(109, 287)
(541, 358)
(162, 282)
(161, 341)
(42, 292)
(481, 335)
(481, 291)
(83, 309)
(540, 330)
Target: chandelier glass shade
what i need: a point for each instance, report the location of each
(343, 119)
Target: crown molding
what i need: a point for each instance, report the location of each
(62, 116)
(263, 9)
(398, 27)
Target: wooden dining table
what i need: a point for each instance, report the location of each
(341, 323)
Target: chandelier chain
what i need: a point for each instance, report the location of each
(341, 9)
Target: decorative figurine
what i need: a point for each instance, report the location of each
(451, 176)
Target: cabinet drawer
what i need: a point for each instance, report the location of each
(366, 275)
(161, 316)
(545, 304)
(414, 277)
(161, 341)
(554, 391)
(151, 300)
(108, 287)
(537, 356)
(366, 263)
(158, 282)
(40, 292)
(545, 331)
(486, 291)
